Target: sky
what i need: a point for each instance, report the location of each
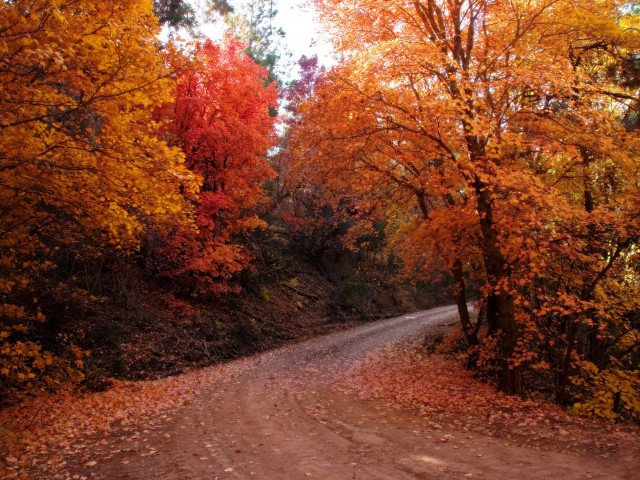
(303, 31)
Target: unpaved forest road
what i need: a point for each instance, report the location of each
(279, 418)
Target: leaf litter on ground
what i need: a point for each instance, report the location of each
(39, 434)
(438, 387)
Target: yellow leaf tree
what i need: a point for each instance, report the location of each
(81, 168)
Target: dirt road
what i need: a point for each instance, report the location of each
(280, 418)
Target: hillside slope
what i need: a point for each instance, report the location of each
(144, 331)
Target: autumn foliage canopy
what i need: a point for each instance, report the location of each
(220, 120)
(106, 138)
(500, 141)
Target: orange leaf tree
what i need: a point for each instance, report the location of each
(221, 120)
(490, 133)
(81, 169)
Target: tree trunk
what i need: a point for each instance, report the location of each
(491, 311)
(565, 371)
(500, 305)
(459, 289)
(459, 293)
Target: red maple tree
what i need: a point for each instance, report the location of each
(221, 120)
